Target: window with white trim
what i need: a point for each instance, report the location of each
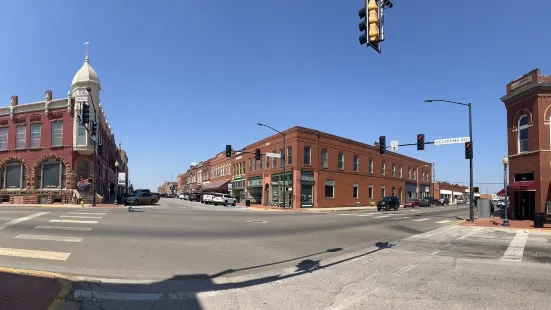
(401, 172)
(383, 191)
(393, 170)
(415, 174)
(274, 160)
(307, 155)
(371, 166)
(4, 138)
(523, 134)
(21, 137)
(383, 168)
(51, 174)
(57, 133)
(409, 173)
(324, 158)
(13, 176)
(355, 191)
(289, 155)
(341, 161)
(356, 163)
(35, 135)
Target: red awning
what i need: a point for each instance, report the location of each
(522, 186)
(501, 192)
(220, 185)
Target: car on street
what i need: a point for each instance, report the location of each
(223, 199)
(430, 201)
(387, 203)
(207, 198)
(181, 196)
(140, 198)
(445, 201)
(412, 203)
(194, 197)
(460, 201)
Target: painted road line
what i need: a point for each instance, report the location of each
(34, 254)
(443, 222)
(420, 220)
(73, 221)
(64, 228)
(366, 214)
(82, 217)
(402, 218)
(473, 231)
(381, 216)
(345, 214)
(48, 238)
(88, 213)
(515, 251)
(19, 220)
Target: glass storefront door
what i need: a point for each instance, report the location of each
(306, 195)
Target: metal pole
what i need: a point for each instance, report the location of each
(284, 175)
(94, 182)
(506, 218)
(116, 184)
(471, 194)
(417, 180)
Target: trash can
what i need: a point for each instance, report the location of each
(484, 208)
(248, 202)
(539, 220)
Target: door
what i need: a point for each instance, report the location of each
(307, 195)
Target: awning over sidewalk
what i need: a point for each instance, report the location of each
(221, 186)
(529, 186)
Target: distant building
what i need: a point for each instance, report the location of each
(451, 191)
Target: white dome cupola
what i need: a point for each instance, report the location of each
(86, 75)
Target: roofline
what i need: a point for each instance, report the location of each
(524, 90)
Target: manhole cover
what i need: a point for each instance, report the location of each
(257, 221)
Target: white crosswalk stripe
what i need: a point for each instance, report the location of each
(443, 222)
(421, 220)
(74, 221)
(65, 228)
(82, 217)
(34, 254)
(88, 213)
(48, 238)
(381, 216)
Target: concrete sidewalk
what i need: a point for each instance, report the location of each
(27, 289)
(98, 205)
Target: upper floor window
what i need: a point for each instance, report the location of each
(383, 168)
(267, 162)
(401, 172)
(414, 175)
(324, 158)
(282, 159)
(356, 163)
(289, 155)
(4, 138)
(274, 161)
(20, 136)
(409, 173)
(393, 171)
(307, 155)
(250, 165)
(341, 161)
(57, 133)
(371, 166)
(35, 135)
(523, 134)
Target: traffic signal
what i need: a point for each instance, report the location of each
(94, 130)
(468, 150)
(85, 114)
(257, 154)
(371, 23)
(382, 144)
(420, 142)
(476, 189)
(228, 150)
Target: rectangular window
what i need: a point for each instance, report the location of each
(81, 135)
(341, 161)
(267, 162)
(383, 191)
(307, 153)
(282, 159)
(383, 168)
(370, 191)
(250, 165)
(355, 191)
(21, 137)
(243, 168)
(57, 134)
(51, 173)
(4, 138)
(329, 189)
(415, 175)
(35, 135)
(324, 158)
(356, 163)
(274, 162)
(289, 155)
(371, 166)
(13, 176)
(401, 172)
(260, 163)
(393, 170)
(409, 173)
(393, 191)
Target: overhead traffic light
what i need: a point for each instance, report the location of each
(85, 114)
(420, 142)
(476, 189)
(228, 150)
(382, 144)
(94, 130)
(257, 154)
(372, 23)
(468, 150)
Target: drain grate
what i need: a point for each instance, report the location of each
(257, 221)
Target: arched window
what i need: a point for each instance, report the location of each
(13, 176)
(51, 174)
(523, 134)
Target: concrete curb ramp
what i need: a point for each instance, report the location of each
(65, 284)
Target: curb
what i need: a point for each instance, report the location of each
(500, 227)
(65, 283)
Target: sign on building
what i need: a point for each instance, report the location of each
(122, 178)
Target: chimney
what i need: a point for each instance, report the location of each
(48, 95)
(14, 100)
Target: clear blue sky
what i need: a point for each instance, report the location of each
(181, 79)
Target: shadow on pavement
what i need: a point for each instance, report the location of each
(25, 291)
(181, 291)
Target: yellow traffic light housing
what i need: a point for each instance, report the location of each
(373, 21)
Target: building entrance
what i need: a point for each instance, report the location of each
(524, 203)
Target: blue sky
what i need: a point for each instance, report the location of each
(181, 79)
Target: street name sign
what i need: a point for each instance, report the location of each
(452, 140)
(394, 145)
(276, 155)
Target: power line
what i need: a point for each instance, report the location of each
(484, 183)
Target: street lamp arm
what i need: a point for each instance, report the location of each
(448, 101)
(264, 125)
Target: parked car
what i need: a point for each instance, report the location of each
(140, 198)
(387, 203)
(445, 201)
(155, 196)
(194, 197)
(223, 199)
(181, 196)
(412, 203)
(430, 201)
(460, 201)
(207, 198)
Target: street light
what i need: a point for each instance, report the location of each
(117, 181)
(471, 206)
(284, 162)
(505, 164)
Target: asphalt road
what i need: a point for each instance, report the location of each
(177, 237)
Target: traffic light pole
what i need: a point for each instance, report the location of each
(471, 194)
(95, 148)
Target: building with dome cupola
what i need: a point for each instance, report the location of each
(46, 155)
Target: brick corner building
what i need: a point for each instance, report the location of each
(45, 152)
(528, 104)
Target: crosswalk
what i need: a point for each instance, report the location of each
(406, 214)
(70, 227)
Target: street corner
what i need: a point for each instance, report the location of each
(32, 289)
(497, 223)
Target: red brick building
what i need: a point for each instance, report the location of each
(528, 104)
(44, 151)
(450, 191)
(324, 170)
(220, 174)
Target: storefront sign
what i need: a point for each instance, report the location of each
(521, 82)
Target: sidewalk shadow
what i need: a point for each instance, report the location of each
(181, 291)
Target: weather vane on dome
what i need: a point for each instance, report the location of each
(86, 44)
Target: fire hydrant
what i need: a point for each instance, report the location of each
(82, 203)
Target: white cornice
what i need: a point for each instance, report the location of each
(34, 106)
